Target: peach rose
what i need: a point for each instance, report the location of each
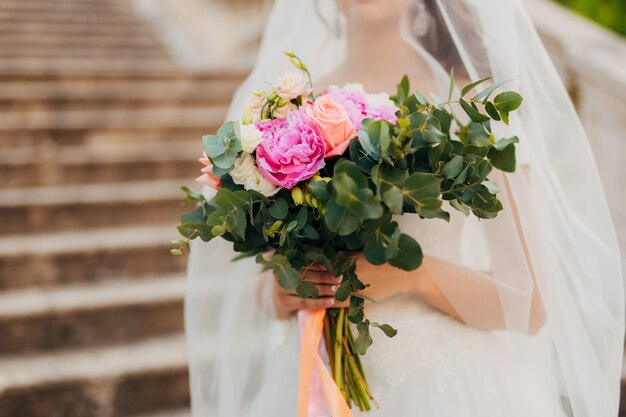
(334, 122)
(207, 177)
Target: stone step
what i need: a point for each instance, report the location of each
(72, 207)
(102, 314)
(84, 16)
(50, 141)
(99, 163)
(39, 65)
(121, 381)
(67, 52)
(175, 413)
(76, 28)
(118, 117)
(111, 7)
(84, 256)
(28, 40)
(61, 93)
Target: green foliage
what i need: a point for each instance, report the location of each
(429, 157)
(609, 13)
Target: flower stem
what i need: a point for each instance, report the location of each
(338, 371)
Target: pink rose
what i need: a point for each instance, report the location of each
(354, 101)
(292, 149)
(361, 105)
(335, 123)
(207, 177)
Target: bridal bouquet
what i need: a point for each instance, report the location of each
(306, 179)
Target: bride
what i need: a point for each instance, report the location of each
(522, 315)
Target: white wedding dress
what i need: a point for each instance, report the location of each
(435, 366)
(562, 246)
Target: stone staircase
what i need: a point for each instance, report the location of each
(98, 130)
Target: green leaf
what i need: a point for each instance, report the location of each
(375, 237)
(419, 187)
(452, 85)
(491, 186)
(503, 160)
(504, 142)
(387, 329)
(307, 290)
(404, 252)
(310, 232)
(390, 182)
(508, 101)
(363, 340)
(344, 290)
(473, 85)
(213, 145)
(453, 167)
(473, 114)
(487, 91)
(460, 206)
(340, 220)
(492, 111)
(302, 217)
(288, 277)
(279, 209)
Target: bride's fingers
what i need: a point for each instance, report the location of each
(327, 290)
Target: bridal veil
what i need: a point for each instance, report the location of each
(559, 250)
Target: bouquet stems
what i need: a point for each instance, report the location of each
(345, 363)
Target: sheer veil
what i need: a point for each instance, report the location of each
(560, 248)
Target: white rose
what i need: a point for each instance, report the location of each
(354, 87)
(380, 99)
(250, 137)
(292, 85)
(285, 110)
(246, 173)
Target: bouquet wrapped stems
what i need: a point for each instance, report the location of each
(345, 362)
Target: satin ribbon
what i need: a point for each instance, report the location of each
(315, 383)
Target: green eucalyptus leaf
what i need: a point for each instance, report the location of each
(473, 85)
(288, 277)
(460, 206)
(344, 290)
(492, 111)
(307, 290)
(489, 90)
(340, 220)
(213, 145)
(376, 237)
(279, 209)
(364, 339)
(473, 113)
(404, 252)
(507, 101)
(503, 159)
(387, 329)
(453, 167)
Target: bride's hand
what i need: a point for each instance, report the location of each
(385, 281)
(288, 302)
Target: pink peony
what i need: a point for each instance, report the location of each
(207, 177)
(335, 123)
(292, 149)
